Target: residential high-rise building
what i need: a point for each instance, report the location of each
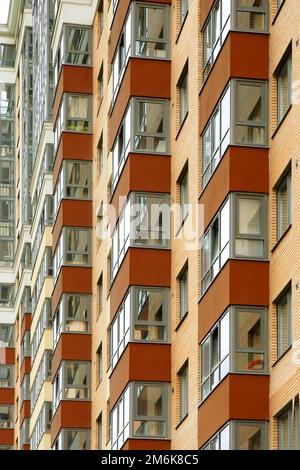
(149, 273)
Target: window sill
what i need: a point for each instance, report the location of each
(181, 27)
(181, 321)
(281, 238)
(282, 121)
(181, 125)
(181, 421)
(277, 13)
(282, 356)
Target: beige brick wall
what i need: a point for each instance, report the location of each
(284, 147)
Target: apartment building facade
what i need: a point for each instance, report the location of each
(148, 225)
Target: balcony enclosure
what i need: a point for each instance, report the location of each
(142, 317)
(144, 222)
(144, 129)
(226, 15)
(240, 118)
(73, 439)
(7, 55)
(145, 34)
(237, 344)
(75, 48)
(141, 412)
(239, 231)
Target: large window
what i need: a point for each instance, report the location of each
(239, 230)
(75, 115)
(143, 316)
(75, 48)
(74, 182)
(144, 222)
(284, 322)
(283, 192)
(72, 382)
(249, 15)
(73, 439)
(145, 34)
(240, 435)
(142, 412)
(73, 249)
(237, 343)
(144, 128)
(73, 315)
(284, 87)
(240, 118)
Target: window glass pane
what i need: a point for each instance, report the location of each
(251, 15)
(284, 323)
(225, 438)
(183, 378)
(151, 127)
(78, 46)
(150, 316)
(77, 246)
(77, 318)
(248, 436)
(284, 89)
(77, 111)
(150, 117)
(151, 33)
(76, 440)
(249, 240)
(78, 180)
(250, 115)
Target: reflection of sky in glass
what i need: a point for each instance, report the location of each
(4, 9)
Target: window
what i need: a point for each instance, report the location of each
(152, 31)
(100, 86)
(144, 128)
(99, 364)
(100, 17)
(216, 137)
(251, 113)
(284, 333)
(6, 295)
(288, 427)
(240, 435)
(220, 441)
(183, 91)
(284, 87)
(42, 425)
(74, 115)
(6, 416)
(283, 192)
(43, 374)
(72, 439)
(142, 316)
(183, 279)
(99, 432)
(6, 376)
(151, 126)
(184, 195)
(100, 155)
(184, 9)
(184, 389)
(215, 246)
(73, 315)
(215, 356)
(250, 340)
(7, 335)
(250, 226)
(74, 182)
(146, 418)
(144, 221)
(100, 293)
(249, 15)
(73, 249)
(72, 382)
(75, 48)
